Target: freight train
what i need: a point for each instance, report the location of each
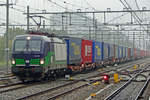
(38, 55)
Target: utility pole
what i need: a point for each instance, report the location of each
(28, 17)
(63, 22)
(7, 34)
(133, 41)
(43, 24)
(7, 30)
(89, 32)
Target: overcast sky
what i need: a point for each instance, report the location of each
(75, 4)
(54, 5)
(16, 11)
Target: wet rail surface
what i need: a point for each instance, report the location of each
(21, 86)
(52, 96)
(130, 87)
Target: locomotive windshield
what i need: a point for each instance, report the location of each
(27, 45)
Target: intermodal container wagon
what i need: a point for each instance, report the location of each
(138, 53)
(124, 52)
(112, 53)
(116, 51)
(105, 51)
(120, 52)
(97, 52)
(135, 53)
(129, 53)
(86, 51)
(73, 51)
(126, 55)
(132, 53)
(142, 53)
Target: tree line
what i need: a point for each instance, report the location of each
(12, 33)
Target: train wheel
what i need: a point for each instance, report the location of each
(23, 80)
(68, 71)
(53, 77)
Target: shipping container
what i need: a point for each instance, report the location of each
(112, 53)
(124, 52)
(147, 53)
(73, 51)
(97, 52)
(138, 53)
(86, 51)
(105, 51)
(116, 51)
(129, 53)
(120, 52)
(126, 55)
(135, 53)
(132, 53)
(142, 53)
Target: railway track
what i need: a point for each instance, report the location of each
(54, 92)
(11, 87)
(82, 82)
(143, 89)
(132, 89)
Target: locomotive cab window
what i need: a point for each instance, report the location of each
(24, 45)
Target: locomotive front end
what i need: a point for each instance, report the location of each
(27, 57)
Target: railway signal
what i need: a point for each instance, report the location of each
(106, 78)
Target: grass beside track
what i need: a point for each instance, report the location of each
(2, 64)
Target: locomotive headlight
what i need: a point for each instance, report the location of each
(28, 38)
(42, 61)
(13, 61)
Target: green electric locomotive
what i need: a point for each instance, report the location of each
(37, 56)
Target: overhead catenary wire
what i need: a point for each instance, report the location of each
(136, 17)
(58, 5)
(137, 5)
(74, 5)
(133, 12)
(116, 18)
(89, 5)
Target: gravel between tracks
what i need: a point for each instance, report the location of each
(146, 95)
(80, 94)
(12, 95)
(83, 93)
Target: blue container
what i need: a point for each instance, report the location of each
(97, 52)
(132, 53)
(122, 48)
(111, 51)
(116, 51)
(120, 52)
(73, 51)
(126, 54)
(106, 51)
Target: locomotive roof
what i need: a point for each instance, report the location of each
(45, 38)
